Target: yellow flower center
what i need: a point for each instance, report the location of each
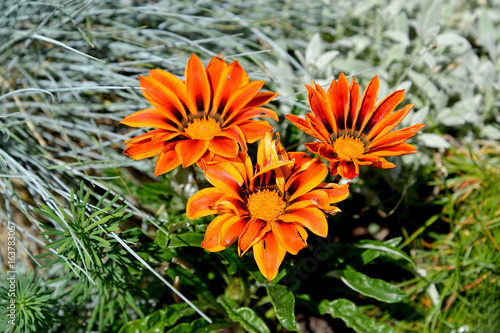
(348, 148)
(266, 205)
(203, 128)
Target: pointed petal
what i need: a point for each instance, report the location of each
(233, 78)
(236, 134)
(239, 99)
(261, 99)
(304, 181)
(325, 136)
(149, 118)
(336, 192)
(394, 138)
(305, 127)
(198, 88)
(401, 149)
(353, 110)
(143, 149)
(382, 163)
(255, 129)
(348, 169)
(254, 231)
(316, 198)
(388, 123)
(292, 237)
(223, 180)
(310, 218)
(321, 110)
(313, 147)
(175, 87)
(338, 98)
(166, 162)
(244, 116)
(383, 108)
(367, 103)
(224, 147)
(269, 255)
(200, 204)
(214, 71)
(190, 151)
(222, 232)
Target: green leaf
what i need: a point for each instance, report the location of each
(284, 304)
(382, 248)
(376, 288)
(348, 312)
(245, 316)
(178, 240)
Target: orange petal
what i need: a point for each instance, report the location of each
(166, 136)
(198, 88)
(292, 237)
(305, 127)
(401, 149)
(311, 218)
(224, 147)
(388, 123)
(317, 198)
(233, 78)
(353, 110)
(222, 179)
(239, 99)
(383, 108)
(269, 255)
(348, 169)
(338, 98)
(173, 84)
(143, 149)
(214, 71)
(321, 110)
(261, 99)
(232, 205)
(304, 181)
(367, 103)
(200, 204)
(313, 147)
(190, 151)
(255, 129)
(325, 136)
(162, 99)
(394, 138)
(149, 118)
(254, 113)
(254, 231)
(166, 162)
(235, 133)
(222, 232)
(382, 163)
(335, 192)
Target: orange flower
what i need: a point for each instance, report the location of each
(210, 112)
(268, 208)
(354, 132)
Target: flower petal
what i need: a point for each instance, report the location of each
(149, 118)
(222, 232)
(388, 123)
(353, 110)
(261, 99)
(348, 169)
(269, 255)
(304, 181)
(310, 218)
(401, 149)
(200, 204)
(321, 110)
(292, 237)
(255, 129)
(239, 99)
(254, 231)
(223, 147)
(224, 180)
(190, 151)
(382, 163)
(166, 162)
(198, 88)
(336, 192)
(173, 84)
(383, 108)
(214, 71)
(394, 138)
(338, 99)
(143, 149)
(367, 103)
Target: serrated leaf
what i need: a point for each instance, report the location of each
(371, 287)
(284, 305)
(432, 140)
(243, 315)
(349, 313)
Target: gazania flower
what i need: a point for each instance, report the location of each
(269, 208)
(354, 131)
(210, 112)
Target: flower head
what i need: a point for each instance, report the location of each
(353, 131)
(267, 208)
(209, 113)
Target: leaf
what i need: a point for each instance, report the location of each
(178, 240)
(382, 247)
(348, 312)
(245, 316)
(432, 140)
(371, 287)
(284, 305)
(314, 49)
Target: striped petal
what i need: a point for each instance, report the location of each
(198, 88)
(201, 203)
(310, 218)
(292, 237)
(190, 151)
(269, 255)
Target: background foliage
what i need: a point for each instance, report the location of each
(98, 237)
